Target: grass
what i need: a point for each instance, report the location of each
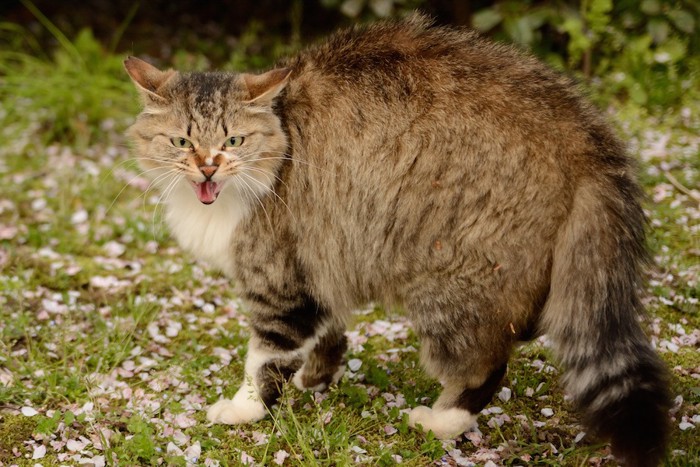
(118, 340)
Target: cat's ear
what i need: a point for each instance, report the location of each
(148, 79)
(262, 89)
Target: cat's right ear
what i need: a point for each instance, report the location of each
(262, 89)
(149, 80)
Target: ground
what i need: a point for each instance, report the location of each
(113, 341)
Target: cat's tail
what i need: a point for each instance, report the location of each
(615, 378)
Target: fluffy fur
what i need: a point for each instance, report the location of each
(421, 166)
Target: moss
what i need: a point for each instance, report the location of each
(14, 430)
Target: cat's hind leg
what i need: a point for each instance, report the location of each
(458, 406)
(284, 335)
(325, 363)
(467, 351)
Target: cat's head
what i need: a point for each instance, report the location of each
(215, 132)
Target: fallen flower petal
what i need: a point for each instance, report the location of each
(28, 412)
(280, 456)
(39, 452)
(354, 364)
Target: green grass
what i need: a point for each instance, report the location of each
(118, 338)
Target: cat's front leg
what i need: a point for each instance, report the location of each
(266, 369)
(290, 338)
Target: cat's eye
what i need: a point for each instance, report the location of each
(181, 143)
(234, 142)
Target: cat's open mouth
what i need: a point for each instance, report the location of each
(207, 191)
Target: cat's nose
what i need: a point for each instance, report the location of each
(208, 170)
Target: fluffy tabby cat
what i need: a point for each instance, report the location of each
(422, 166)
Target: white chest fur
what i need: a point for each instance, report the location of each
(205, 231)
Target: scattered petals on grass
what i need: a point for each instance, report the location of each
(39, 452)
(172, 449)
(193, 452)
(280, 457)
(504, 394)
(686, 424)
(354, 364)
(29, 411)
(130, 339)
(247, 459)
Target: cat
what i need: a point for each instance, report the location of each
(413, 164)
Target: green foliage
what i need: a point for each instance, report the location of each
(646, 52)
(47, 425)
(64, 96)
(140, 445)
(378, 377)
(254, 50)
(371, 8)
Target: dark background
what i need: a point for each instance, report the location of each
(158, 27)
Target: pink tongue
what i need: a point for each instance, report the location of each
(206, 191)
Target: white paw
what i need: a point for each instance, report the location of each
(445, 423)
(243, 408)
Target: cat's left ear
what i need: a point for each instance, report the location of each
(148, 79)
(264, 88)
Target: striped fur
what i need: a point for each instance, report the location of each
(421, 166)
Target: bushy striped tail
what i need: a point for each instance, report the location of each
(592, 315)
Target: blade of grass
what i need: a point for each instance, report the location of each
(54, 30)
(119, 33)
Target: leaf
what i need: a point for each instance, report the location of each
(356, 395)
(650, 7)
(525, 32)
(638, 94)
(682, 20)
(658, 29)
(674, 48)
(141, 445)
(48, 425)
(382, 8)
(578, 41)
(598, 15)
(68, 418)
(352, 8)
(486, 19)
(138, 425)
(377, 377)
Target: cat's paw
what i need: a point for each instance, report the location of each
(305, 382)
(445, 423)
(237, 410)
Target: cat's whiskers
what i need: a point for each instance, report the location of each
(285, 157)
(270, 190)
(157, 181)
(121, 164)
(172, 172)
(140, 174)
(164, 197)
(266, 173)
(262, 205)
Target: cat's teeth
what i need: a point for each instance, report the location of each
(207, 191)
